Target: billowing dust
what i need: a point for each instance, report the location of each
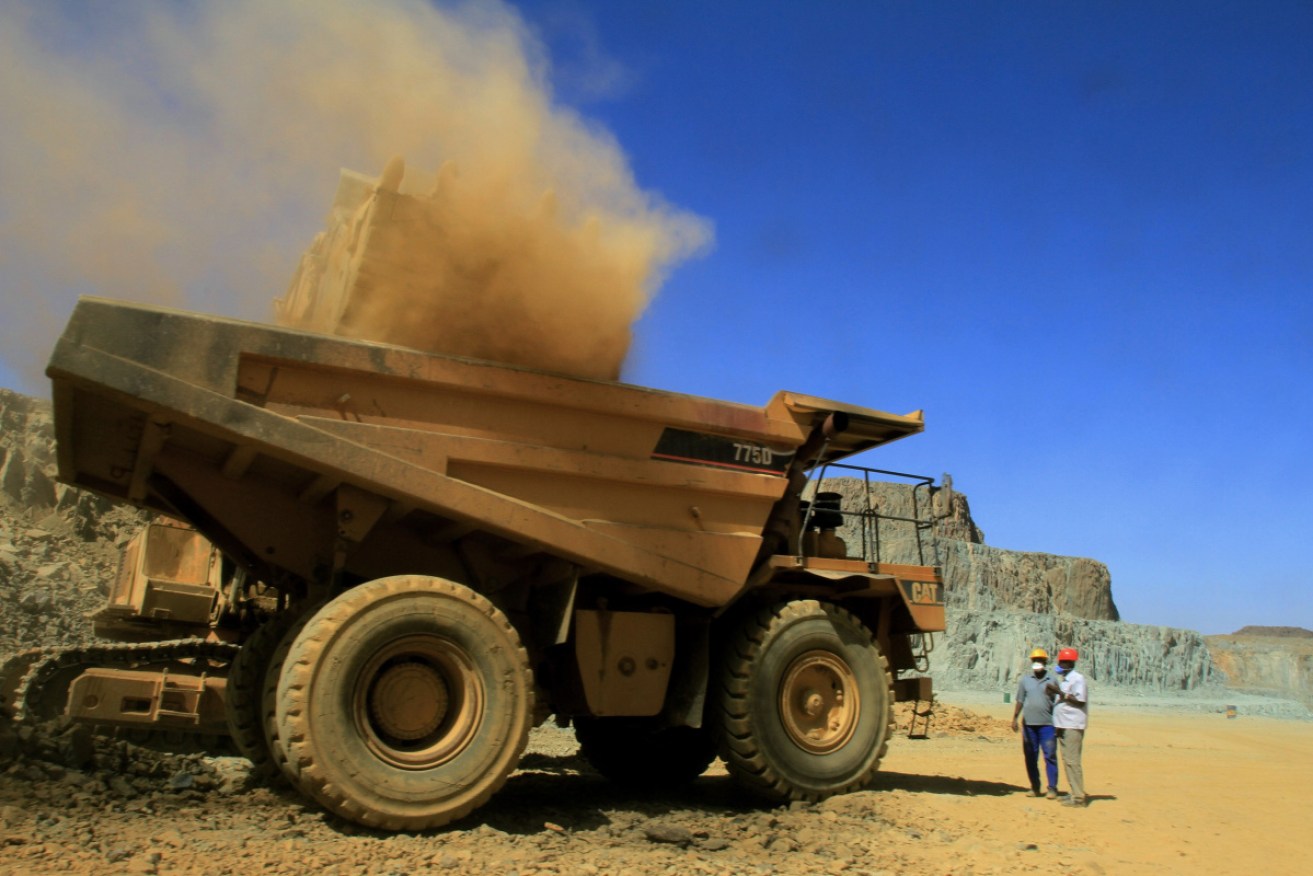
(184, 154)
(440, 263)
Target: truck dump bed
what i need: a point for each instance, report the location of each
(300, 453)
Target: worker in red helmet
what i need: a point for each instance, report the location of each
(1070, 715)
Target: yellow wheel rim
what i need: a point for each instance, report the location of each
(819, 704)
(419, 702)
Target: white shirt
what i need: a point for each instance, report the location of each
(1067, 716)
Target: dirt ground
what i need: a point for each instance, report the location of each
(1171, 792)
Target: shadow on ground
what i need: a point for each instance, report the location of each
(564, 792)
(958, 785)
(583, 800)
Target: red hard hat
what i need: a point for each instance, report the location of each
(1067, 654)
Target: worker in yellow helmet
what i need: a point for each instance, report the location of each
(1035, 708)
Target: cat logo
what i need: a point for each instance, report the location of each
(923, 592)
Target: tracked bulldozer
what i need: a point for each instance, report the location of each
(175, 613)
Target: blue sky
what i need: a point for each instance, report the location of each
(1078, 235)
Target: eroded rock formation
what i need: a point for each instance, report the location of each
(1002, 603)
(58, 546)
(1280, 664)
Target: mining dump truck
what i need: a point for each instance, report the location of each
(175, 613)
(463, 549)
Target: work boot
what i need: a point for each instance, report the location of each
(1052, 794)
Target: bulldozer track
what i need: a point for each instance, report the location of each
(42, 693)
(13, 672)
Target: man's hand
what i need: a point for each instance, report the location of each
(1014, 725)
(1052, 688)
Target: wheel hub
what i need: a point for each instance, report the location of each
(409, 701)
(819, 705)
(419, 702)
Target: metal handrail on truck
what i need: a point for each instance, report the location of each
(868, 518)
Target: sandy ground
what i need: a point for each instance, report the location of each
(1172, 791)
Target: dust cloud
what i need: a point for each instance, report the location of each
(185, 154)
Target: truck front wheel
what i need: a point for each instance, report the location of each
(405, 702)
(805, 702)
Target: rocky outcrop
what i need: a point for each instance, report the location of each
(58, 546)
(986, 650)
(1275, 632)
(27, 477)
(985, 578)
(979, 577)
(26, 452)
(1002, 603)
(1280, 665)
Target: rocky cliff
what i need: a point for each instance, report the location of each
(58, 546)
(982, 578)
(1002, 603)
(987, 649)
(27, 453)
(1275, 632)
(28, 488)
(1280, 664)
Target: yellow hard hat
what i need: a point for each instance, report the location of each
(1039, 654)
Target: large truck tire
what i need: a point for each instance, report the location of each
(805, 702)
(243, 697)
(268, 700)
(638, 753)
(405, 703)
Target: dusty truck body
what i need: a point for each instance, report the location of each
(462, 549)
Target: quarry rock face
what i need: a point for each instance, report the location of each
(979, 577)
(1275, 632)
(985, 649)
(986, 578)
(1279, 664)
(1001, 603)
(59, 546)
(27, 477)
(26, 452)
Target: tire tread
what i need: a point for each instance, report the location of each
(739, 743)
(298, 670)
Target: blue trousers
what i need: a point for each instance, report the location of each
(1037, 739)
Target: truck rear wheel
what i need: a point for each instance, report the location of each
(243, 696)
(805, 702)
(268, 696)
(639, 753)
(405, 703)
